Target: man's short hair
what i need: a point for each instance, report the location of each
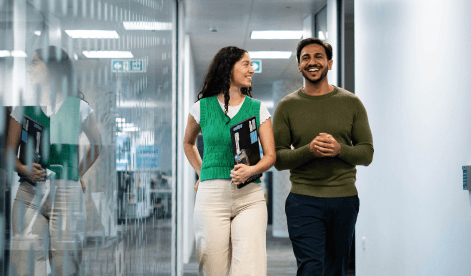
(303, 43)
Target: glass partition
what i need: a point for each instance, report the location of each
(86, 111)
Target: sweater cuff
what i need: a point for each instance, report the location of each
(306, 153)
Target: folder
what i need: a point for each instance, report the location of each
(245, 146)
(31, 132)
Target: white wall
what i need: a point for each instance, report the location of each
(412, 68)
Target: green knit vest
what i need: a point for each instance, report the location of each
(218, 158)
(61, 132)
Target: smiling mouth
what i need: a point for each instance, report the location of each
(313, 70)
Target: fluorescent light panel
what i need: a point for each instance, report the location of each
(148, 26)
(276, 35)
(108, 54)
(92, 34)
(14, 53)
(38, 33)
(268, 104)
(270, 54)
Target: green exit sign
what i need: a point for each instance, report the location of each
(257, 66)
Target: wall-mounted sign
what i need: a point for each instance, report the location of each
(148, 157)
(257, 66)
(128, 66)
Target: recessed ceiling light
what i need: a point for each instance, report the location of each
(270, 54)
(14, 53)
(148, 26)
(276, 35)
(108, 54)
(321, 35)
(4, 53)
(268, 104)
(92, 34)
(38, 33)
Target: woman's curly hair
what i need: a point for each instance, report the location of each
(219, 75)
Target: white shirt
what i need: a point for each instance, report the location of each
(85, 110)
(231, 111)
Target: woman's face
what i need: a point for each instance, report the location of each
(37, 71)
(242, 72)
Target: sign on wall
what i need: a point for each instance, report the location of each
(128, 66)
(257, 66)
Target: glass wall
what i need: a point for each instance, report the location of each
(86, 109)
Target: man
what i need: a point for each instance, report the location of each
(321, 134)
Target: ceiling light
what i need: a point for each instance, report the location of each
(108, 54)
(4, 53)
(270, 54)
(149, 26)
(14, 53)
(276, 35)
(268, 104)
(92, 34)
(321, 35)
(141, 104)
(18, 53)
(38, 33)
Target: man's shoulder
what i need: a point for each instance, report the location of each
(292, 97)
(347, 95)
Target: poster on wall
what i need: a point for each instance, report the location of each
(123, 153)
(148, 157)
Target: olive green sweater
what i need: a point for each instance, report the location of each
(299, 118)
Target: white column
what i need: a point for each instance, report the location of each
(332, 39)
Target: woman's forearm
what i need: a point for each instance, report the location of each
(193, 156)
(264, 164)
(89, 159)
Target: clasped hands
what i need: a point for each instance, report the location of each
(324, 145)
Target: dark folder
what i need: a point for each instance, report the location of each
(31, 132)
(245, 146)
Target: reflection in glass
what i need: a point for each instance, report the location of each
(94, 196)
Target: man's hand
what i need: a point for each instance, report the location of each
(241, 173)
(325, 145)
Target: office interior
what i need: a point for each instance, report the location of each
(140, 65)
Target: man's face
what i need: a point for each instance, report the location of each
(313, 63)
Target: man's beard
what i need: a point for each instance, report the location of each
(314, 81)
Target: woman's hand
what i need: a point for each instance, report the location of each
(35, 174)
(241, 173)
(196, 186)
(84, 188)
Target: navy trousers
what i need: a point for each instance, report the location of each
(321, 232)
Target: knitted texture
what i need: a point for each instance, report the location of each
(299, 118)
(218, 157)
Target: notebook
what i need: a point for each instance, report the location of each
(245, 146)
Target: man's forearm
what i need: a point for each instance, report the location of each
(287, 159)
(360, 154)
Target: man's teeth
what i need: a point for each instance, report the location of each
(313, 70)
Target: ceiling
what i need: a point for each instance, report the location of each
(234, 21)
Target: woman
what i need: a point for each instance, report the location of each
(230, 223)
(48, 212)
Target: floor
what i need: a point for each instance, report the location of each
(281, 260)
(144, 249)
